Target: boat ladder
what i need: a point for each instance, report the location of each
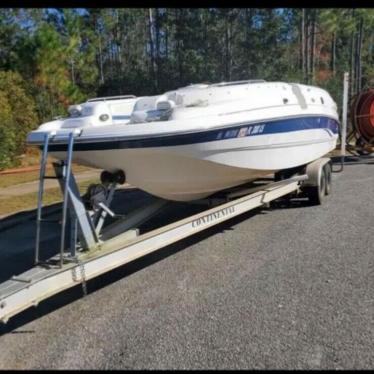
(81, 224)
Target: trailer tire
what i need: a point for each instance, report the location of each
(328, 174)
(119, 177)
(317, 193)
(106, 177)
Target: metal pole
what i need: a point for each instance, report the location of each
(40, 195)
(67, 170)
(344, 113)
(73, 233)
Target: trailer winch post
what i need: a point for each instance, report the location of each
(344, 114)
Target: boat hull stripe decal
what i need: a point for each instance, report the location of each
(261, 128)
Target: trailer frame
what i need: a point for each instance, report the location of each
(120, 243)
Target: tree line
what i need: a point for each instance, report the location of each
(51, 58)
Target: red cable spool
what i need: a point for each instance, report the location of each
(363, 115)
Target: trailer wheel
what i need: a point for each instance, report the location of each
(317, 193)
(106, 177)
(119, 177)
(328, 173)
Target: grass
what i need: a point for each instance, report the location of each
(29, 201)
(30, 158)
(8, 180)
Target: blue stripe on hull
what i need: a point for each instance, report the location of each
(243, 130)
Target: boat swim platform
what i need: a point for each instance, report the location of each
(48, 278)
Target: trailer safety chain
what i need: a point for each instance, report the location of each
(83, 275)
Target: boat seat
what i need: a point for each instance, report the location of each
(152, 108)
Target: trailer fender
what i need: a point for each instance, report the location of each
(313, 171)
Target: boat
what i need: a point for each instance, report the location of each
(187, 144)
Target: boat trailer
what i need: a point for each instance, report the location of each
(94, 249)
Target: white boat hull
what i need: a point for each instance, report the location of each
(194, 171)
(192, 142)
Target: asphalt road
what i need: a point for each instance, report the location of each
(283, 288)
